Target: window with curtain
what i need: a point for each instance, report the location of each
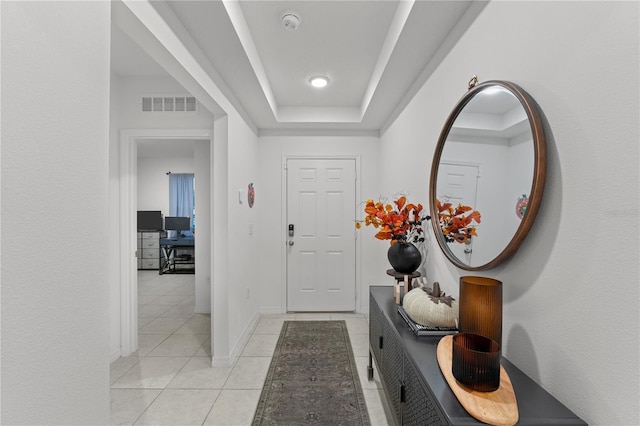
(182, 199)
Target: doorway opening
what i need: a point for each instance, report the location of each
(129, 142)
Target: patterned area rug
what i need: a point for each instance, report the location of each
(312, 379)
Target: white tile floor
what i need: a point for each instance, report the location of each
(170, 381)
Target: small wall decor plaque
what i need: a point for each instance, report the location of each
(521, 206)
(251, 195)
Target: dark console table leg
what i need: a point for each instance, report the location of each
(370, 368)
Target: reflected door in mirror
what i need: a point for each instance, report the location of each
(457, 184)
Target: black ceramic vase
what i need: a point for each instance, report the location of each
(404, 257)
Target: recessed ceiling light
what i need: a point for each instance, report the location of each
(319, 81)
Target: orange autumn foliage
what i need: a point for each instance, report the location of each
(400, 224)
(456, 226)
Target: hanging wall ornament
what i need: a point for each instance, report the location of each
(521, 206)
(251, 195)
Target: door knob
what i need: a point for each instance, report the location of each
(290, 242)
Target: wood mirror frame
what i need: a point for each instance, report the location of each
(534, 116)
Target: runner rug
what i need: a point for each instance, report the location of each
(312, 379)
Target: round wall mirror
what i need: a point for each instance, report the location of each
(491, 160)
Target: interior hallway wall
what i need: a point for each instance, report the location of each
(571, 312)
(115, 333)
(242, 281)
(131, 90)
(55, 293)
(202, 168)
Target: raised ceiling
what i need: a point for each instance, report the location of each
(375, 53)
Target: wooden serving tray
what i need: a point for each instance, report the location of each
(496, 408)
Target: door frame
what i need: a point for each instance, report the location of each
(283, 223)
(128, 244)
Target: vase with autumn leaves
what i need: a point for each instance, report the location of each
(400, 223)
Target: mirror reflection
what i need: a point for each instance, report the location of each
(486, 160)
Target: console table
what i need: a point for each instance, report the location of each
(418, 393)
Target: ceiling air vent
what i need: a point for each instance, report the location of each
(168, 103)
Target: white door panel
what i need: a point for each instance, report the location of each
(321, 253)
(457, 183)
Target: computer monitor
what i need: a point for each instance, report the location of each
(176, 223)
(149, 220)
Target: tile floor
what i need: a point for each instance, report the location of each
(170, 381)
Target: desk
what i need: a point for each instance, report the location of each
(177, 255)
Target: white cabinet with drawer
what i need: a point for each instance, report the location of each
(149, 249)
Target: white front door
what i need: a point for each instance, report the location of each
(321, 248)
(457, 183)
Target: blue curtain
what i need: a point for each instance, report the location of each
(181, 198)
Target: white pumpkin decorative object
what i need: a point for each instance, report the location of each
(431, 308)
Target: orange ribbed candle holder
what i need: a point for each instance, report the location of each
(480, 309)
(476, 361)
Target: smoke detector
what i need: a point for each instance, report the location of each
(290, 21)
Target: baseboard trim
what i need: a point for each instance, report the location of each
(221, 361)
(115, 354)
(237, 349)
(274, 310)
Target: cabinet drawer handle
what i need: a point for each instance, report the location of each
(380, 342)
(402, 393)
